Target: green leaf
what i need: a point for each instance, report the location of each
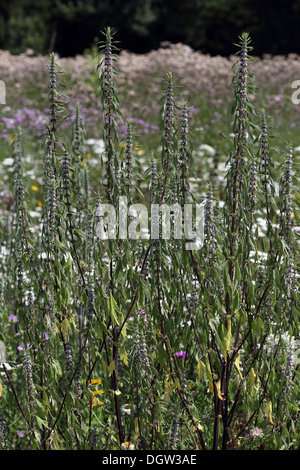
(41, 422)
(65, 328)
(114, 309)
(111, 368)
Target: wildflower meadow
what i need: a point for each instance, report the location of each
(149, 251)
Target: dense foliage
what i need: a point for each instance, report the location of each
(109, 343)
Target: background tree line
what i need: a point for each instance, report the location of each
(71, 26)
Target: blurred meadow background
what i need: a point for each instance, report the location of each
(194, 41)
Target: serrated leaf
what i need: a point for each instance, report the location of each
(168, 392)
(41, 422)
(200, 368)
(114, 309)
(227, 340)
(65, 328)
(237, 365)
(210, 388)
(268, 412)
(111, 368)
(218, 388)
(251, 382)
(123, 355)
(177, 385)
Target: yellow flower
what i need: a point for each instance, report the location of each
(93, 400)
(141, 151)
(39, 204)
(96, 403)
(34, 188)
(98, 392)
(92, 382)
(95, 381)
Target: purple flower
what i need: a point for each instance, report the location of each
(20, 433)
(21, 347)
(13, 318)
(140, 445)
(181, 354)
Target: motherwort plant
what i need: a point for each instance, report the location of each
(141, 341)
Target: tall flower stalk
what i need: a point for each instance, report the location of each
(110, 104)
